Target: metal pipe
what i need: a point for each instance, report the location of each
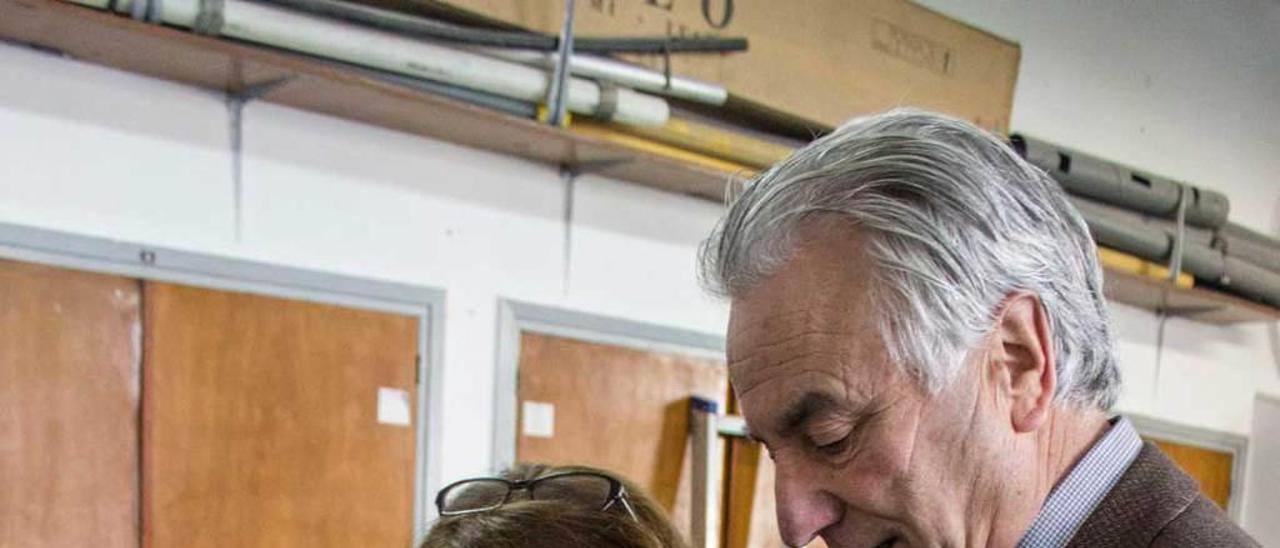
(600, 68)
(422, 27)
(560, 73)
(706, 461)
(522, 109)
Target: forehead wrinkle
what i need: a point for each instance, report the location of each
(793, 376)
(748, 379)
(782, 323)
(797, 339)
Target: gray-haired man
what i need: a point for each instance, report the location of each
(919, 337)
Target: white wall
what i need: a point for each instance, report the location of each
(1186, 89)
(1192, 92)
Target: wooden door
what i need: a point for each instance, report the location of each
(1212, 469)
(262, 423)
(617, 408)
(68, 408)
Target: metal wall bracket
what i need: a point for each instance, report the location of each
(236, 100)
(569, 174)
(1180, 237)
(597, 166)
(258, 90)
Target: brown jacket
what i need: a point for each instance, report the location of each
(1155, 504)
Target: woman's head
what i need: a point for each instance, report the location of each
(559, 512)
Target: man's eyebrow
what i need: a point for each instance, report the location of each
(808, 405)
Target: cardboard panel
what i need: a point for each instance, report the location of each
(68, 408)
(621, 409)
(826, 60)
(272, 422)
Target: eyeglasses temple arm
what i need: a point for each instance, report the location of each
(626, 504)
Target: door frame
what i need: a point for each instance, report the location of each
(157, 263)
(516, 317)
(1235, 444)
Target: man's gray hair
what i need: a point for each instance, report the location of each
(955, 221)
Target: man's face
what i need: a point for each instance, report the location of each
(864, 456)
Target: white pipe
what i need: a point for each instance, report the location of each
(601, 68)
(367, 47)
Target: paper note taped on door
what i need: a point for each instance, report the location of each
(539, 419)
(393, 406)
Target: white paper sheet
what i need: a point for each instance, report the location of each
(539, 419)
(394, 407)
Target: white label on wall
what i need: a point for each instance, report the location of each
(539, 419)
(393, 406)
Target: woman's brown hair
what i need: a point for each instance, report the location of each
(559, 524)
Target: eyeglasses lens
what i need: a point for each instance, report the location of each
(585, 489)
(474, 495)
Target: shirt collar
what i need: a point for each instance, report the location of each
(1084, 487)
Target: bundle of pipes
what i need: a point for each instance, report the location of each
(1137, 213)
(514, 78)
(394, 52)
(536, 50)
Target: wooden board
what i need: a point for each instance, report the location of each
(261, 422)
(68, 408)
(1195, 303)
(1212, 469)
(621, 409)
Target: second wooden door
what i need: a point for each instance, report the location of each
(262, 424)
(619, 408)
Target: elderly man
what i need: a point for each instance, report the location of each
(919, 338)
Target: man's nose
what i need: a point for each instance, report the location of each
(804, 509)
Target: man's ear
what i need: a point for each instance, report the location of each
(1025, 360)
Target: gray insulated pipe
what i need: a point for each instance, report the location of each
(1154, 244)
(1119, 185)
(1243, 242)
(1236, 241)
